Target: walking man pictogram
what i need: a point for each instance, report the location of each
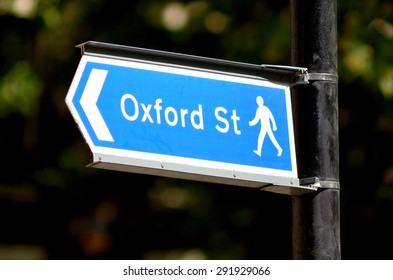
(265, 116)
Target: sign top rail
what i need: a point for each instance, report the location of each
(287, 75)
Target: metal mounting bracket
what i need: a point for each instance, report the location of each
(306, 78)
(314, 182)
(301, 74)
(298, 74)
(327, 77)
(310, 182)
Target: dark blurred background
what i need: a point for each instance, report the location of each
(53, 207)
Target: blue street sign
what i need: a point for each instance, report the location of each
(184, 122)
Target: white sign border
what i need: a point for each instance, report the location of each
(182, 163)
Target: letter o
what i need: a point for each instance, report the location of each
(175, 117)
(123, 110)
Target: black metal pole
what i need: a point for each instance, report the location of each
(316, 216)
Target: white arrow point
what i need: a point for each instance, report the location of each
(89, 104)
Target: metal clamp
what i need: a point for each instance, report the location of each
(314, 182)
(300, 74)
(306, 78)
(326, 77)
(310, 182)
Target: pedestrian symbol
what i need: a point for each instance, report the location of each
(268, 123)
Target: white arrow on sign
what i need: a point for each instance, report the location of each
(89, 104)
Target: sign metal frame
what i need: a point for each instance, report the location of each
(172, 166)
